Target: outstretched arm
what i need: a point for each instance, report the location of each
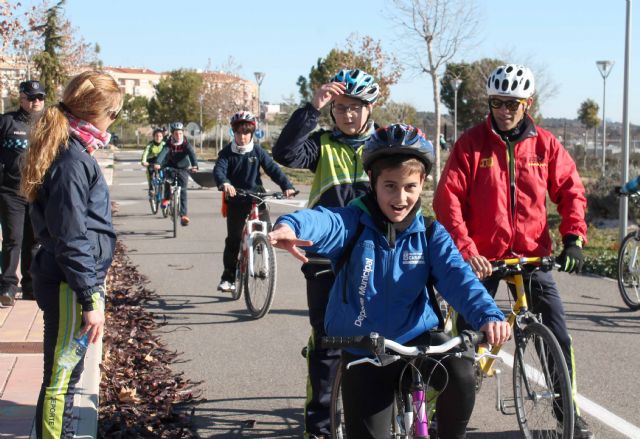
(283, 237)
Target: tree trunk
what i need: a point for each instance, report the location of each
(436, 144)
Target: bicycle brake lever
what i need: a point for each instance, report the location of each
(380, 361)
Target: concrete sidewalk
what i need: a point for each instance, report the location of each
(21, 363)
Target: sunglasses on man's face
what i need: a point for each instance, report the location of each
(35, 98)
(512, 104)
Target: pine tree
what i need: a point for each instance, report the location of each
(52, 73)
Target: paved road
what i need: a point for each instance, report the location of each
(251, 370)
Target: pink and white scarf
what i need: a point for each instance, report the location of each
(87, 134)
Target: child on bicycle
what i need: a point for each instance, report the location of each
(238, 167)
(383, 285)
(178, 154)
(151, 152)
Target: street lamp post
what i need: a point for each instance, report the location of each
(259, 78)
(201, 127)
(605, 68)
(455, 83)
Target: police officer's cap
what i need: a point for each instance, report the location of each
(32, 88)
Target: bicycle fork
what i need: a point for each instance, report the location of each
(415, 417)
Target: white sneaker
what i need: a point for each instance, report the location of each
(226, 286)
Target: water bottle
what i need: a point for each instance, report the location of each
(74, 352)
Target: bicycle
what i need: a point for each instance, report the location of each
(412, 405)
(155, 193)
(256, 267)
(542, 394)
(629, 264)
(172, 209)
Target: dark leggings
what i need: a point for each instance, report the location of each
(62, 320)
(368, 393)
(545, 301)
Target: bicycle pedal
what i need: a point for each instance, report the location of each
(508, 406)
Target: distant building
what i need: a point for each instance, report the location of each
(135, 81)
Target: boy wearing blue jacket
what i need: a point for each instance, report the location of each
(238, 167)
(382, 287)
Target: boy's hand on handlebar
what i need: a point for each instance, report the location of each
(497, 332)
(480, 266)
(290, 193)
(194, 169)
(229, 190)
(145, 164)
(283, 237)
(156, 167)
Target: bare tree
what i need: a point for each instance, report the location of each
(443, 28)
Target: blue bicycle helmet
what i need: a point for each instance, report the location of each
(177, 126)
(398, 139)
(360, 85)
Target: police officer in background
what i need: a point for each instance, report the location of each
(17, 234)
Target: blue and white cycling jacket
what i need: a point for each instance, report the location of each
(382, 287)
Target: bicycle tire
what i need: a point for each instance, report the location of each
(336, 411)
(153, 200)
(546, 411)
(259, 289)
(629, 270)
(240, 274)
(175, 211)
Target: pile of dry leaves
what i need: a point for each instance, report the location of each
(139, 393)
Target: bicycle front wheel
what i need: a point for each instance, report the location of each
(261, 284)
(240, 275)
(629, 270)
(541, 385)
(175, 211)
(153, 199)
(338, 428)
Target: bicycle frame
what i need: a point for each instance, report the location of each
(253, 226)
(519, 309)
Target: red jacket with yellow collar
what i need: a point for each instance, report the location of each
(490, 213)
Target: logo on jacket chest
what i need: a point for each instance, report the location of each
(536, 160)
(486, 162)
(412, 258)
(19, 133)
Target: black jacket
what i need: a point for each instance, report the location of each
(181, 156)
(243, 170)
(71, 218)
(14, 141)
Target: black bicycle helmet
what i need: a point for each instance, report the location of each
(398, 139)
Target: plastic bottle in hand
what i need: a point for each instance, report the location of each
(74, 352)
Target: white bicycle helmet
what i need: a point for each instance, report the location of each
(177, 126)
(360, 85)
(242, 116)
(511, 80)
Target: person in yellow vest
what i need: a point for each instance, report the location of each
(151, 152)
(335, 157)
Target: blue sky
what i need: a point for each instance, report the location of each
(284, 38)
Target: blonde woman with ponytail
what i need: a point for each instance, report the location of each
(71, 216)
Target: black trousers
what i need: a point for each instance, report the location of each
(183, 180)
(322, 364)
(236, 215)
(17, 241)
(544, 299)
(368, 392)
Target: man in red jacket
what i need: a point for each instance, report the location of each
(492, 198)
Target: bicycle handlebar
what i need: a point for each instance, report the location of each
(378, 345)
(263, 195)
(525, 264)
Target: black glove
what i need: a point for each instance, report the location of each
(571, 259)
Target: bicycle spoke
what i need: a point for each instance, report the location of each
(261, 277)
(542, 388)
